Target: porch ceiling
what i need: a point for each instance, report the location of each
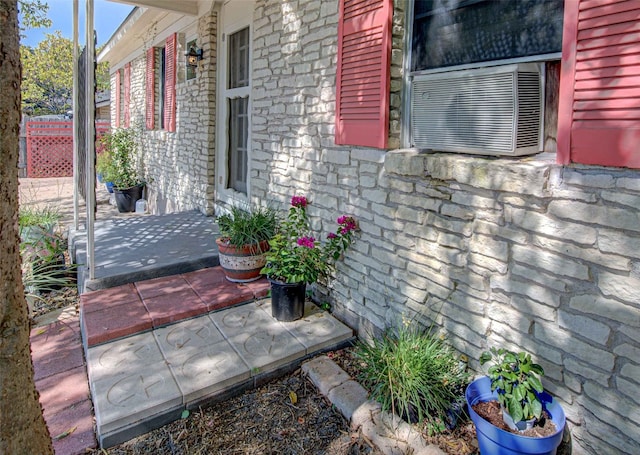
(134, 33)
(189, 7)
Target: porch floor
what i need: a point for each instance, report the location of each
(134, 247)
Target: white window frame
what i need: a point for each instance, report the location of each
(235, 15)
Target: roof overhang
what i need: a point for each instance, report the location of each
(148, 20)
(189, 7)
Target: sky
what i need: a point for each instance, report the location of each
(107, 18)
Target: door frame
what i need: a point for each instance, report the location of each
(234, 16)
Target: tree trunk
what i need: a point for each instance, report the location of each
(22, 427)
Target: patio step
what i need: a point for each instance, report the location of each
(135, 247)
(148, 379)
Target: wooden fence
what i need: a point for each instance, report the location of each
(50, 147)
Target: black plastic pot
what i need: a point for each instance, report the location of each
(287, 300)
(126, 198)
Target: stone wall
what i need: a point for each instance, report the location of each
(517, 252)
(180, 165)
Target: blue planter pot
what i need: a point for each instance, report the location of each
(109, 186)
(494, 441)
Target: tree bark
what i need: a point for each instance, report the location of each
(22, 426)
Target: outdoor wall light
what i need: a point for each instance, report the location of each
(194, 56)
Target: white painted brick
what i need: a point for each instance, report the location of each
(574, 347)
(527, 289)
(607, 308)
(584, 326)
(592, 213)
(587, 254)
(620, 286)
(550, 262)
(537, 222)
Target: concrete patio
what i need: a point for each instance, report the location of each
(154, 348)
(135, 247)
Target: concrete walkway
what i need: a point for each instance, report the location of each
(157, 347)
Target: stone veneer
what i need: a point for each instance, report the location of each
(180, 166)
(521, 253)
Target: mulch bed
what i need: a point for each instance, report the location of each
(286, 416)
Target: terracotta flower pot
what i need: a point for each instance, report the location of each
(242, 265)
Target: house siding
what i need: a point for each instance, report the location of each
(599, 93)
(180, 166)
(521, 253)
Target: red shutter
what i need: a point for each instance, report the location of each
(150, 107)
(363, 72)
(599, 102)
(118, 99)
(127, 95)
(170, 84)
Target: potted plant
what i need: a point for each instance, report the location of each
(296, 258)
(529, 420)
(119, 164)
(244, 240)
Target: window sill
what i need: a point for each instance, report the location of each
(525, 175)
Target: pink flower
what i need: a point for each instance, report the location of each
(347, 224)
(332, 235)
(308, 242)
(299, 201)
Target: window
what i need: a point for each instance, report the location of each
(162, 80)
(118, 98)
(238, 109)
(477, 84)
(160, 85)
(451, 33)
(190, 71)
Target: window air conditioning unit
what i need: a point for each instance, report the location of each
(487, 111)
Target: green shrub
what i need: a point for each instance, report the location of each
(45, 217)
(412, 373)
(44, 267)
(240, 227)
(119, 162)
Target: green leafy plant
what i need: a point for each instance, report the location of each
(44, 268)
(296, 256)
(240, 227)
(45, 217)
(516, 379)
(411, 372)
(119, 161)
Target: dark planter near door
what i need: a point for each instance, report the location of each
(126, 198)
(287, 300)
(494, 441)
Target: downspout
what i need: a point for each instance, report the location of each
(90, 143)
(76, 165)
